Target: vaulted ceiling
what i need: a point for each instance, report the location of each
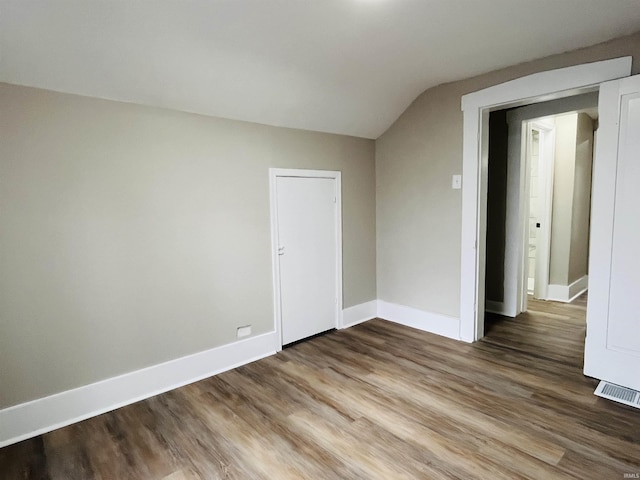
(341, 66)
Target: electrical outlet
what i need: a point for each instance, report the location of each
(456, 182)
(244, 331)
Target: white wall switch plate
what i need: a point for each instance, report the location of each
(456, 182)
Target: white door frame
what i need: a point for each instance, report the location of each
(516, 118)
(546, 147)
(546, 166)
(274, 173)
(476, 108)
(518, 206)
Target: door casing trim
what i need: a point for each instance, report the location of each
(274, 173)
(476, 107)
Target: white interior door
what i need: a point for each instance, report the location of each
(540, 197)
(545, 202)
(307, 255)
(612, 349)
(532, 167)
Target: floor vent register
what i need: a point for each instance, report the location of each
(619, 394)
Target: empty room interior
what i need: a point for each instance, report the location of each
(355, 239)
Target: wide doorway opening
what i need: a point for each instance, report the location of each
(538, 203)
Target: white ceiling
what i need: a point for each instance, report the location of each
(342, 66)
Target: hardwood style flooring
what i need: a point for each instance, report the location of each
(376, 401)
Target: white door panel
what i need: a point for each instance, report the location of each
(306, 209)
(612, 350)
(624, 302)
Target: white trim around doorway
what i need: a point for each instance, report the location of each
(274, 173)
(476, 107)
(517, 120)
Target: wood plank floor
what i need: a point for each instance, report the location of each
(376, 401)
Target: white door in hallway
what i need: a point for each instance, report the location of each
(612, 348)
(307, 255)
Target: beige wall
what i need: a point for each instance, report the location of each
(578, 263)
(133, 235)
(562, 208)
(418, 214)
(571, 199)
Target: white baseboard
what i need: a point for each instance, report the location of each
(43, 415)
(412, 317)
(39, 416)
(578, 287)
(494, 307)
(558, 293)
(359, 313)
(568, 293)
